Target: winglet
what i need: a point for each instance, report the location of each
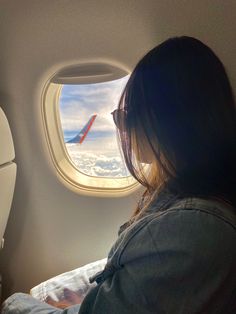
(80, 137)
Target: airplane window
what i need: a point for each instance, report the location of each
(88, 128)
(80, 131)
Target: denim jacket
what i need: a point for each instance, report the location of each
(178, 260)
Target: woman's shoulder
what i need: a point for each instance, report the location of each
(198, 208)
(193, 213)
(196, 226)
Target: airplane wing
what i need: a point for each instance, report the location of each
(79, 138)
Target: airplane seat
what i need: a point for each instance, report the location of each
(7, 176)
(7, 173)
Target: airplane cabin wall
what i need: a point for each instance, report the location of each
(52, 229)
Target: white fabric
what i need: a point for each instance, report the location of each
(7, 152)
(76, 280)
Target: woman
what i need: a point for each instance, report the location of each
(177, 253)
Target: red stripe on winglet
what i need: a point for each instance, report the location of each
(88, 128)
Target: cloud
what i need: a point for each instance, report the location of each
(96, 163)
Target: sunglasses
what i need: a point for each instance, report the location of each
(119, 115)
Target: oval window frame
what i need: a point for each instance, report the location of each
(69, 174)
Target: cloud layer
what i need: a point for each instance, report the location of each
(97, 164)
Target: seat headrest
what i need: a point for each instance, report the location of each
(7, 152)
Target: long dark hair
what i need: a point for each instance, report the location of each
(179, 104)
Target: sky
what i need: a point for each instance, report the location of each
(99, 154)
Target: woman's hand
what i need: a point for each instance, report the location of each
(70, 298)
